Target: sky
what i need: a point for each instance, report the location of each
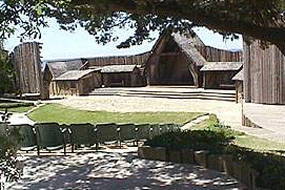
(60, 44)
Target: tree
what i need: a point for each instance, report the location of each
(10, 169)
(260, 19)
(7, 73)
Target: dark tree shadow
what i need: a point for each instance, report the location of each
(103, 170)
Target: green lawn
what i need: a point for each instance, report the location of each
(244, 140)
(67, 115)
(21, 109)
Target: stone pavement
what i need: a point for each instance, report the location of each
(116, 169)
(271, 119)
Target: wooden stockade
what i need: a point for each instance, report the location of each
(213, 54)
(119, 60)
(264, 74)
(27, 62)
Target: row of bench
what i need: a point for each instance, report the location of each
(52, 136)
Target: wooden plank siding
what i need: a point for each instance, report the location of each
(139, 59)
(264, 74)
(27, 62)
(212, 54)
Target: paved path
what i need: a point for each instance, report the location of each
(271, 118)
(117, 170)
(194, 122)
(20, 118)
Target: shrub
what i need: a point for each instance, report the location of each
(9, 144)
(196, 140)
(271, 167)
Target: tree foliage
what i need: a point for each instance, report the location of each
(7, 73)
(261, 19)
(10, 169)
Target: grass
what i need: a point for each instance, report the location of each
(242, 139)
(16, 107)
(66, 115)
(21, 109)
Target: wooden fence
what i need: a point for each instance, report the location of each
(218, 55)
(119, 60)
(264, 74)
(27, 63)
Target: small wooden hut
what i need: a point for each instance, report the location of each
(218, 75)
(80, 82)
(238, 78)
(53, 69)
(122, 76)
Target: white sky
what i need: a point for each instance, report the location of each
(60, 44)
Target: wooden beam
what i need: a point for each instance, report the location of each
(169, 54)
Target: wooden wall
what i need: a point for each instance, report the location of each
(264, 74)
(218, 55)
(219, 80)
(130, 79)
(79, 87)
(26, 60)
(119, 60)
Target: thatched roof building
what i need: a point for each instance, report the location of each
(181, 58)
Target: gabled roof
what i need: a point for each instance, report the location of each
(187, 45)
(75, 75)
(238, 76)
(118, 68)
(186, 42)
(58, 68)
(222, 66)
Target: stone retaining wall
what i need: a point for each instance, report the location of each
(223, 163)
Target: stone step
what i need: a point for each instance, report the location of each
(206, 95)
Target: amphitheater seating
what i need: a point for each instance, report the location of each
(82, 134)
(52, 136)
(107, 133)
(127, 133)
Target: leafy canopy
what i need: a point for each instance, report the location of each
(261, 19)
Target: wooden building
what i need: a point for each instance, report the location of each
(218, 75)
(238, 78)
(264, 74)
(177, 59)
(138, 59)
(122, 76)
(77, 82)
(54, 69)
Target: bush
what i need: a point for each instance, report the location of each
(7, 73)
(271, 167)
(9, 145)
(213, 141)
